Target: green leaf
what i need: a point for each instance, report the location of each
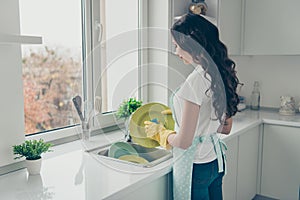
(127, 107)
(31, 149)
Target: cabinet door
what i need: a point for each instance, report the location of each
(229, 182)
(157, 189)
(281, 162)
(230, 21)
(248, 164)
(271, 27)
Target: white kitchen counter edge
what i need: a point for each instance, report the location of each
(280, 123)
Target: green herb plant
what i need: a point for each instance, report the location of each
(31, 149)
(128, 107)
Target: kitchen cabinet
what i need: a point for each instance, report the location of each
(247, 171)
(230, 180)
(180, 7)
(271, 27)
(281, 163)
(242, 166)
(230, 22)
(227, 14)
(157, 189)
(254, 27)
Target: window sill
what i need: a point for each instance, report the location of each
(65, 135)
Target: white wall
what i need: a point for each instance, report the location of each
(158, 41)
(278, 75)
(11, 101)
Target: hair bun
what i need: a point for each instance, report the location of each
(198, 8)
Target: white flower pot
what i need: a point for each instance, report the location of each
(34, 166)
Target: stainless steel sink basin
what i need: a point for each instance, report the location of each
(153, 155)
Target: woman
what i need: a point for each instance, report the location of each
(202, 108)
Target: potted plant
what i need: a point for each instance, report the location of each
(32, 151)
(125, 110)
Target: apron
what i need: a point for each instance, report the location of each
(183, 161)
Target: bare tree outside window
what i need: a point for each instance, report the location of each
(52, 72)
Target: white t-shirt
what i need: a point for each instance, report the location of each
(194, 90)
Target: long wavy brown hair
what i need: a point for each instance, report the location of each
(200, 38)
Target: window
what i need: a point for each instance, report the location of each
(119, 57)
(52, 72)
(90, 48)
(113, 58)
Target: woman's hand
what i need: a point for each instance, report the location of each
(158, 132)
(225, 126)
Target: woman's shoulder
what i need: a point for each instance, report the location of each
(198, 75)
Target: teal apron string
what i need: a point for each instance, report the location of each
(172, 105)
(220, 147)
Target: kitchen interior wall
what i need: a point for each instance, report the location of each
(277, 75)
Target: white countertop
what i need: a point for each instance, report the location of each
(75, 174)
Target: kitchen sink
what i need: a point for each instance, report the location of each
(154, 156)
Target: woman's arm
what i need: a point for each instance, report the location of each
(225, 127)
(184, 138)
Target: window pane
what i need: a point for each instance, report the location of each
(52, 72)
(119, 61)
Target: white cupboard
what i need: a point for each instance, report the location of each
(230, 179)
(281, 162)
(230, 25)
(248, 155)
(157, 190)
(255, 27)
(228, 15)
(271, 27)
(242, 166)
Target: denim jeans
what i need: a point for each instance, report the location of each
(207, 181)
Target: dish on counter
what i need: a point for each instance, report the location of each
(119, 149)
(134, 159)
(149, 112)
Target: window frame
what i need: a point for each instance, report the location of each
(91, 14)
(93, 74)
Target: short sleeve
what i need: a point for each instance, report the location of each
(194, 88)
